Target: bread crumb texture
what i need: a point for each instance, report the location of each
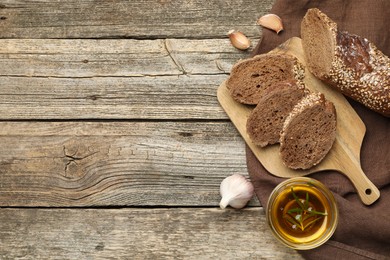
(251, 78)
(266, 120)
(308, 132)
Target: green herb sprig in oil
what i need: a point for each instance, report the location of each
(303, 216)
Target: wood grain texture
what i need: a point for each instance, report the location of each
(146, 72)
(113, 79)
(170, 97)
(181, 233)
(116, 58)
(130, 19)
(117, 163)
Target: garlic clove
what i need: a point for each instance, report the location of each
(239, 40)
(236, 191)
(271, 21)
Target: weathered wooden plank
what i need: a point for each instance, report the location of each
(186, 233)
(113, 79)
(132, 19)
(116, 58)
(170, 97)
(117, 163)
(84, 58)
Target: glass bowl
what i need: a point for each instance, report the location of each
(302, 213)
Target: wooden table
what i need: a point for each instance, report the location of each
(112, 141)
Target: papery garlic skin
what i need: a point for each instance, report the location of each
(271, 21)
(239, 40)
(236, 191)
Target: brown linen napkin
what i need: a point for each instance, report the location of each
(363, 231)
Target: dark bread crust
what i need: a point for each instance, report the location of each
(250, 78)
(266, 120)
(347, 62)
(308, 132)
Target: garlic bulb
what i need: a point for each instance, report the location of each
(239, 40)
(236, 191)
(271, 21)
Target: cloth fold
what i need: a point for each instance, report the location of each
(363, 231)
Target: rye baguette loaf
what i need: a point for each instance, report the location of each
(308, 132)
(250, 78)
(266, 120)
(348, 62)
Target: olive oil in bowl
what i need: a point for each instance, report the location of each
(302, 213)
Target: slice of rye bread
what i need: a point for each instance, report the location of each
(308, 132)
(266, 120)
(250, 78)
(349, 63)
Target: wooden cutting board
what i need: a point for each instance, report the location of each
(344, 156)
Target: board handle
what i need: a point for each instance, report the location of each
(367, 191)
